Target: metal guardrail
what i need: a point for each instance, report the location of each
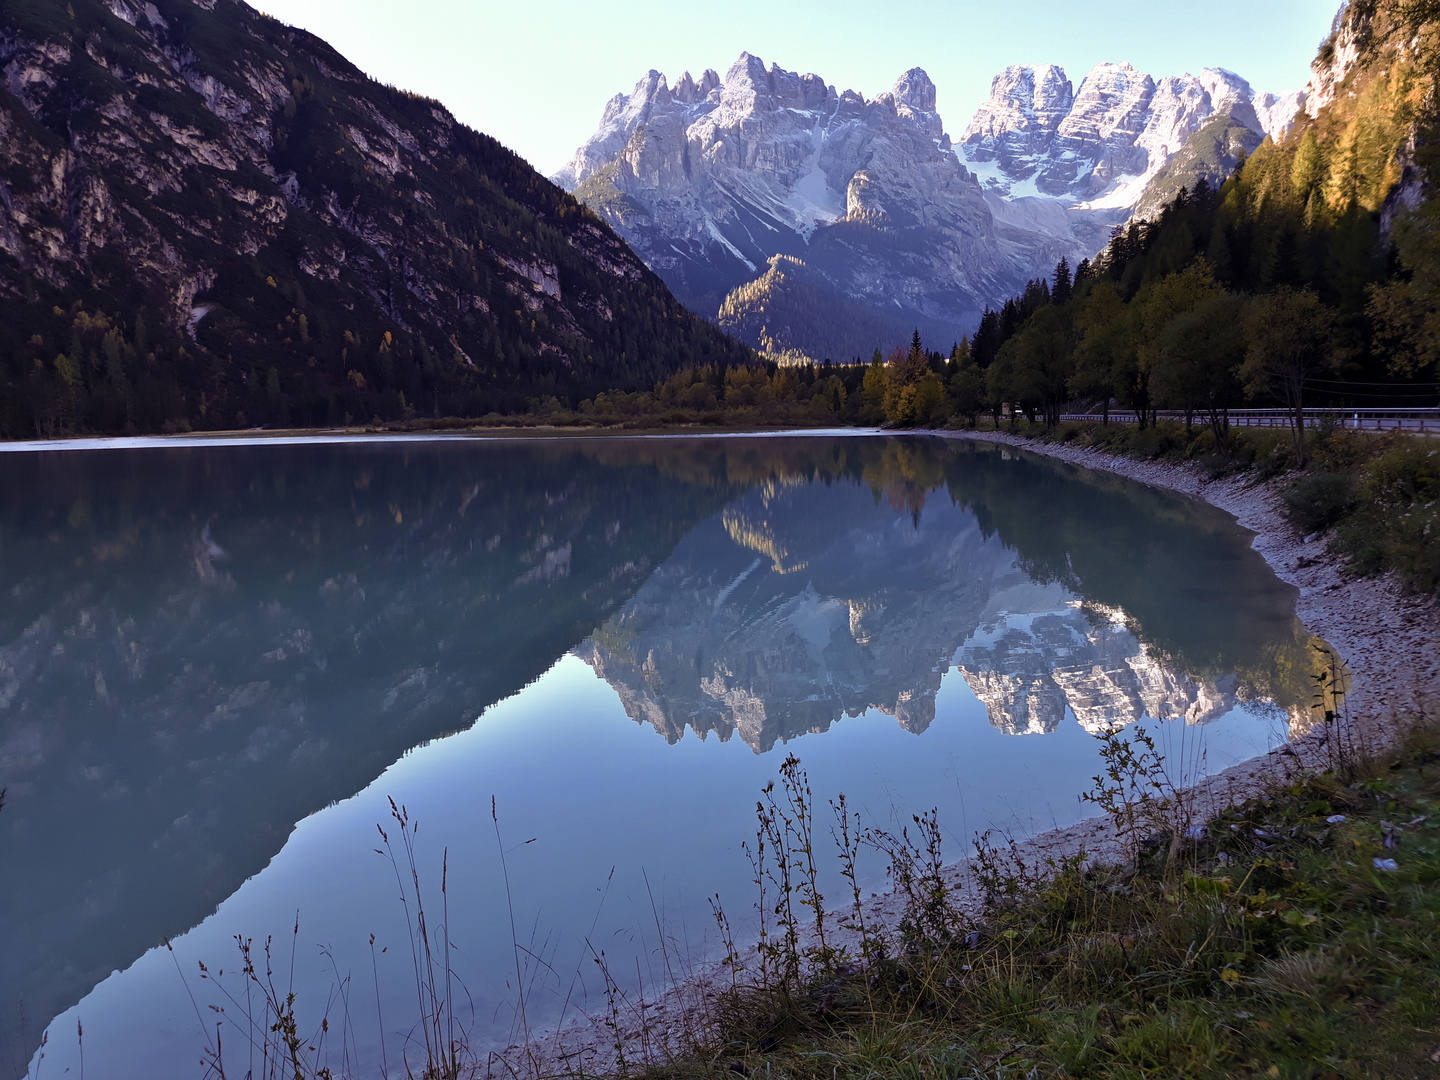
(1426, 420)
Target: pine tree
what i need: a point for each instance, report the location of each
(1217, 254)
(1062, 287)
(1308, 168)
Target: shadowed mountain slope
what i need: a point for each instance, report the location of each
(210, 219)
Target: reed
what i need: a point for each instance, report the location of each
(1292, 932)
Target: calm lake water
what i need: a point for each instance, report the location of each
(219, 664)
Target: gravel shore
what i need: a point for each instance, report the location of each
(1389, 638)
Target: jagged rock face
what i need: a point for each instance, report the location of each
(1276, 112)
(1026, 106)
(624, 113)
(709, 180)
(1029, 667)
(169, 157)
(1338, 56)
(1096, 150)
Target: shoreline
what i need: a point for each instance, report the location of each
(342, 436)
(1389, 639)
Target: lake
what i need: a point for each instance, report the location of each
(574, 663)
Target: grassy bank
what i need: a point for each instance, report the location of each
(1292, 936)
(1373, 495)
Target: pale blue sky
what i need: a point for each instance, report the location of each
(536, 73)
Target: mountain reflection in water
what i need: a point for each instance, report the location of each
(201, 647)
(811, 598)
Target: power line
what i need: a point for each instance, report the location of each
(1401, 386)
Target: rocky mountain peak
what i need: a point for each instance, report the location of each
(915, 91)
(1096, 151)
(1025, 107)
(1111, 102)
(1232, 95)
(751, 87)
(711, 183)
(709, 188)
(687, 91)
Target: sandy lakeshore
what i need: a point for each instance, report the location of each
(1390, 639)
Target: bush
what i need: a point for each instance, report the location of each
(1317, 502)
(1397, 523)
(1279, 459)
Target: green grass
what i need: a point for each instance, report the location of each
(1271, 947)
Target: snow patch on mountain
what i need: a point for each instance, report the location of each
(1097, 148)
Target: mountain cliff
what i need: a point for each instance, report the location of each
(1096, 148)
(208, 218)
(708, 180)
(881, 224)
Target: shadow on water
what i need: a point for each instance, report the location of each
(201, 647)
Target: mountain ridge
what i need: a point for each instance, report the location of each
(712, 179)
(271, 236)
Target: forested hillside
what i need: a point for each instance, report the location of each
(792, 304)
(1211, 154)
(209, 220)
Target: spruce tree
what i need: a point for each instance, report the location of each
(1061, 289)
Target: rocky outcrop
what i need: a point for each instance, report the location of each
(1340, 53)
(1096, 149)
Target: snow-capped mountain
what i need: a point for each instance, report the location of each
(710, 180)
(1097, 148)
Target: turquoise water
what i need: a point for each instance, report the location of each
(218, 665)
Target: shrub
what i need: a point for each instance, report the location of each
(1396, 524)
(1317, 502)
